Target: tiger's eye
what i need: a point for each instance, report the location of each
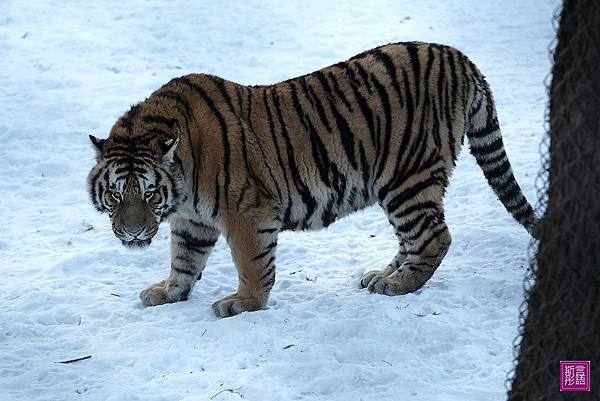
(148, 195)
(116, 195)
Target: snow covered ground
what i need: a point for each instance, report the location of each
(68, 289)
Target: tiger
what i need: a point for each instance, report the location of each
(216, 158)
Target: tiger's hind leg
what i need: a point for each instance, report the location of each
(424, 238)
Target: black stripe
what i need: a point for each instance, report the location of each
(156, 119)
(305, 193)
(304, 86)
(365, 171)
(426, 225)
(183, 102)
(510, 191)
(213, 108)
(183, 271)
(183, 258)
(377, 143)
(199, 224)
(323, 81)
(215, 211)
(525, 213)
(434, 235)
(249, 169)
(179, 99)
(520, 202)
(328, 217)
(390, 68)
(346, 135)
(413, 54)
(247, 165)
(497, 171)
(140, 154)
(318, 105)
(271, 260)
(436, 124)
(266, 251)
(94, 194)
(384, 151)
(428, 69)
(362, 103)
(267, 273)
(157, 132)
(240, 102)
(486, 149)
(483, 132)
(475, 109)
(242, 195)
(320, 156)
(338, 91)
(363, 74)
(421, 140)
(131, 114)
(220, 84)
(408, 155)
(249, 112)
(449, 113)
(186, 245)
(131, 169)
(267, 230)
(326, 167)
(410, 224)
(416, 208)
(440, 83)
(411, 192)
(277, 152)
(193, 241)
(269, 284)
(454, 79)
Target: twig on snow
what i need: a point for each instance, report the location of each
(76, 359)
(229, 390)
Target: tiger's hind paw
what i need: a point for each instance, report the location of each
(369, 276)
(399, 282)
(235, 304)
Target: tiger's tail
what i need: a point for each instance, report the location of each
(486, 145)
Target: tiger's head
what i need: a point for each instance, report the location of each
(137, 181)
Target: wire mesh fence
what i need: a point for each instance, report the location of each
(560, 318)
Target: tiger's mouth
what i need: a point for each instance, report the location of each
(137, 243)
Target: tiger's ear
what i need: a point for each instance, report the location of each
(97, 143)
(168, 148)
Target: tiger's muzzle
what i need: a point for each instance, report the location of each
(134, 223)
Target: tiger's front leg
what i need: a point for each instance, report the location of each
(191, 244)
(253, 251)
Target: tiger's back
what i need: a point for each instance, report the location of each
(383, 127)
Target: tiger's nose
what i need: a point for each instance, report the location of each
(133, 231)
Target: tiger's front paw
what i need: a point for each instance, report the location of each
(155, 295)
(235, 304)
